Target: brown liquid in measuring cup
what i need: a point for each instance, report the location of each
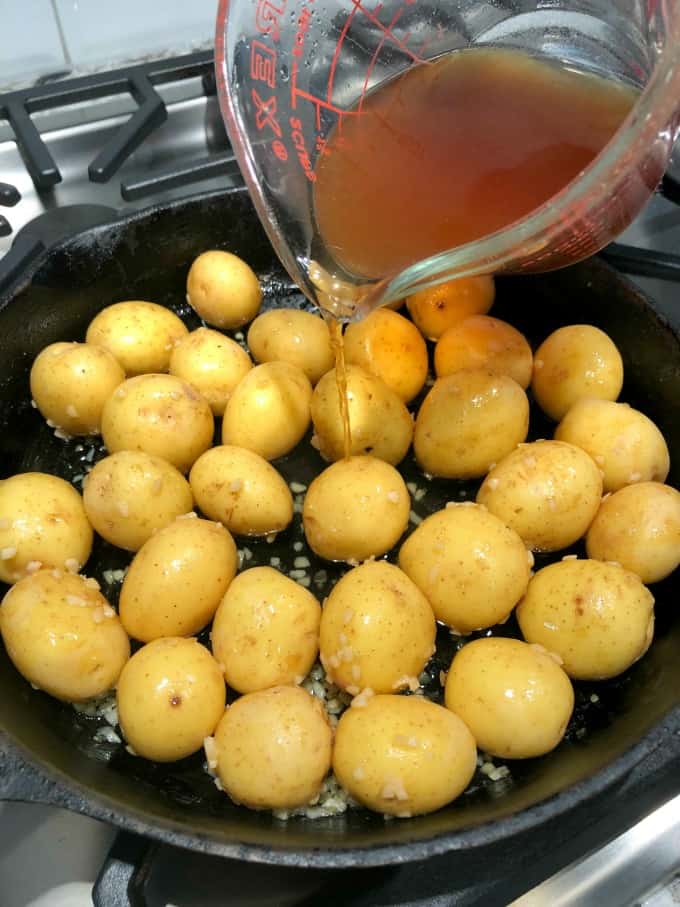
(454, 150)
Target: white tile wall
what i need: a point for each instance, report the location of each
(45, 36)
(30, 45)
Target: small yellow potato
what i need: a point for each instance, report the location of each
(469, 421)
(170, 696)
(597, 618)
(266, 631)
(403, 755)
(484, 342)
(390, 347)
(548, 492)
(437, 308)
(70, 382)
(470, 566)
(269, 410)
(177, 579)
(377, 630)
(574, 362)
(130, 495)
(240, 489)
(380, 424)
(141, 335)
(42, 524)
(223, 290)
(355, 509)
(62, 635)
(639, 528)
(294, 336)
(515, 698)
(272, 748)
(625, 444)
(160, 415)
(212, 363)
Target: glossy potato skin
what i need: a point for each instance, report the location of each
(160, 415)
(468, 421)
(484, 342)
(240, 489)
(470, 566)
(355, 509)
(266, 631)
(177, 579)
(62, 635)
(129, 495)
(515, 699)
(294, 336)
(377, 630)
(380, 424)
(598, 618)
(639, 527)
(139, 334)
(70, 382)
(547, 491)
(273, 748)
(403, 755)
(212, 363)
(269, 410)
(625, 444)
(390, 347)
(170, 696)
(575, 361)
(437, 308)
(43, 523)
(223, 290)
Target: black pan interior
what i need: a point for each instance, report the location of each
(147, 257)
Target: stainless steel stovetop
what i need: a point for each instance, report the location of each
(50, 858)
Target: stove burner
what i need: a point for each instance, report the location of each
(9, 196)
(138, 81)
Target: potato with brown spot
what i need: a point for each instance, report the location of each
(468, 421)
(170, 695)
(212, 363)
(574, 362)
(391, 347)
(625, 444)
(470, 566)
(62, 635)
(266, 631)
(141, 335)
(240, 489)
(130, 495)
(639, 527)
(547, 491)
(294, 336)
(437, 308)
(403, 755)
(598, 618)
(484, 342)
(273, 748)
(515, 698)
(177, 579)
(380, 424)
(160, 415)
(355, 509)
(377, 630)
(70, 382)
(42, 524)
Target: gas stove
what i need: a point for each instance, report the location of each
(75, 153)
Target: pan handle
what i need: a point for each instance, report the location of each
(123, 877)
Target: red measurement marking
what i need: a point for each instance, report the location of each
(377, 9)
(374, 58)
(319, 103)
(338, 48)
(262, 63)
(266, 17)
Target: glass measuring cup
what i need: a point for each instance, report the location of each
(290, 71)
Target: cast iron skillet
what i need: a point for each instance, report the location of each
(48, 753)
